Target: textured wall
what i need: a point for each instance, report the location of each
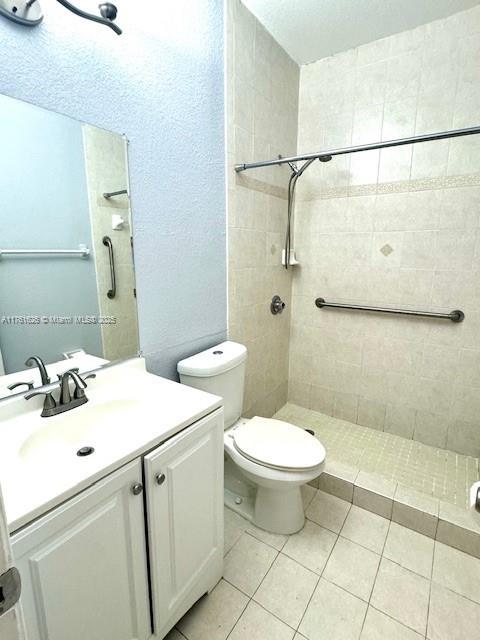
(160, 83)
(396, 227)
(262, 122)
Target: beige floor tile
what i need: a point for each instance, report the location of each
(378, 626)
(452, 617)
(410, 549)
(457, 571)
(286, 590)
(275, 540)
(214, 616)
(175, 635)
(401, 594)
(352, 567)
(258, 624)
(247, 563)
(328, 511)
(311, 546)
(366, 528)
(308, 493)
(234, 526)
(333, 614)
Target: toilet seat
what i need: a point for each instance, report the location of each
(278, 445)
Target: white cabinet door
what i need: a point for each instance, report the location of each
(184, 484)
(84, 565)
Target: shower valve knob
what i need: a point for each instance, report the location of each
(277, 305)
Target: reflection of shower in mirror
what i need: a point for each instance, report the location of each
(55, 272)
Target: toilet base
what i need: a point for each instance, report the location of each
(279, 511)
(242, 505)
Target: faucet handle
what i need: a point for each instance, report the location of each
(79, 391)
(13, 386)
(49, 403)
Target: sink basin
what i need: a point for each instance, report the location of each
(89, 426)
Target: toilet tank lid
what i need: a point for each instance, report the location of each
(213, 361)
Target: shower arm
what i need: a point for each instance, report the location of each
(90, 16)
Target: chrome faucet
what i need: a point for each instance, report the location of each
(65, 401)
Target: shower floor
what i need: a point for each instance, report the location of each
(436, 472)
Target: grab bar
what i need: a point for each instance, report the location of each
(107, 241)
(81, 252)
(111, 194)
(454, 316)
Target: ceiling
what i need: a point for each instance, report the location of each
(312, 29)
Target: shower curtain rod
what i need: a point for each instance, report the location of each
(325, 156)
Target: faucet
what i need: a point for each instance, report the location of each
(65, 401)
(41, 367)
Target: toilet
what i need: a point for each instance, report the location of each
(267, 460)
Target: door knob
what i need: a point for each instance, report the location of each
(160, 478)
(137, 488)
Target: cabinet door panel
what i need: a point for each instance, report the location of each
(84, 566)
(185, 518)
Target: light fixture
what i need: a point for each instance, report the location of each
(29, 13)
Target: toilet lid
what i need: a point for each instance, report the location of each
(278, 444)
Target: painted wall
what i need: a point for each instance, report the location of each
(161, 83)
(262, 122)
(400, 227)
(44, 205)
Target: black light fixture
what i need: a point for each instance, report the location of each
(29, 13)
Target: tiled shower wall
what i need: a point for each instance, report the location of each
(262, 112)
(392, 227)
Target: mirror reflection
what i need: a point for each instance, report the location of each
(67, 284)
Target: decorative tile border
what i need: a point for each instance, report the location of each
(429, 516)
(404, 186)
(258, 185)
(428, 184)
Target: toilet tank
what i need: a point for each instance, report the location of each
(221, 371)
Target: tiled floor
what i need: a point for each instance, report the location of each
(443, 474)
(348, 575)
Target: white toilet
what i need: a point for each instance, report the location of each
(275, 458)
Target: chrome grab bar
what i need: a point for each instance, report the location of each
(107, 241)
(81, 252)
(454, 316)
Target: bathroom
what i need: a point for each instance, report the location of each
(315, 474)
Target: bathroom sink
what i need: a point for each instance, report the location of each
(129, 412)
(90, 426)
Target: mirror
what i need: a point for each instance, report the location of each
(67, 283)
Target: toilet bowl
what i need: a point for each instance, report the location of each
(278, 458)
(271, 459)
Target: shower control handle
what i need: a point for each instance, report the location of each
(277, 305)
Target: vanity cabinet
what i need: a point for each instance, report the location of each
(184, 491)
(139, 547)
(84, 565)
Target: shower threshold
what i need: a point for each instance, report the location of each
(416, 485)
